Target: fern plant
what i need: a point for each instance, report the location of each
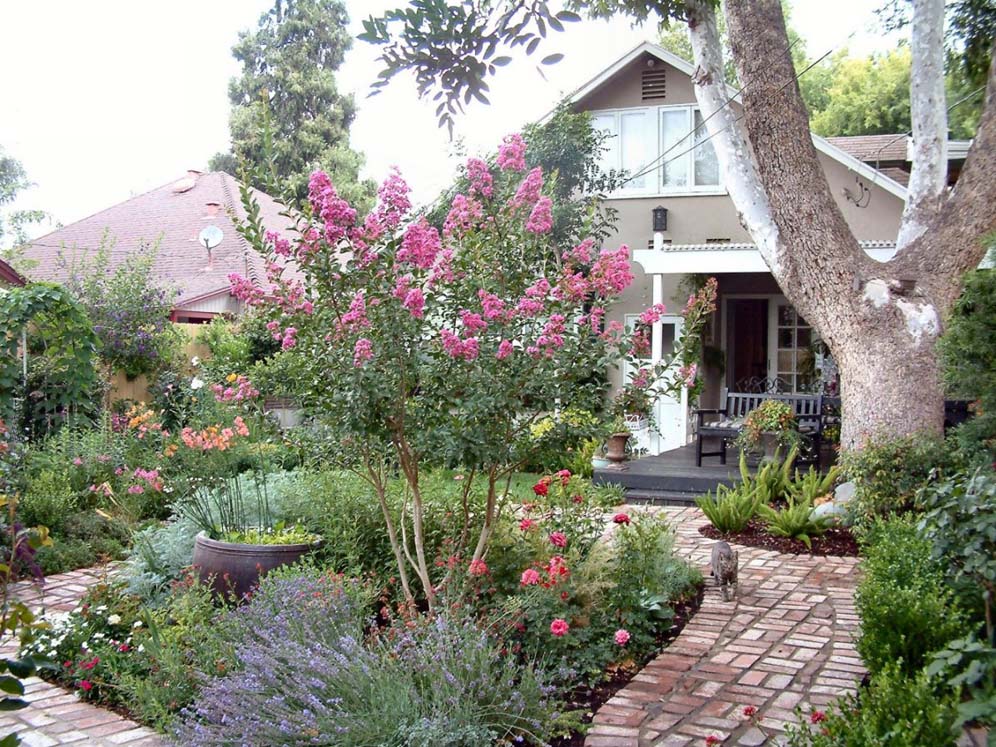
(730, 509)
(812, 484)
(772, 479)
(795, 520)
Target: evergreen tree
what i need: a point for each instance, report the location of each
(287, 93)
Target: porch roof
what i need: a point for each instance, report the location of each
(680, 259)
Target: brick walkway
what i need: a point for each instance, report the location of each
(55, 716)
(786, 640)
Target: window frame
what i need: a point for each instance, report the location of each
(655, 139)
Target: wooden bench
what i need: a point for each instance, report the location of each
(727, 422)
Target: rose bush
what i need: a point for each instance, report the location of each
(431, 347)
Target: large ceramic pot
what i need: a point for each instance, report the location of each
(615, 450)
(233, 567)
(769, 445)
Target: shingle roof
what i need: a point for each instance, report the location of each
(872, 148)
(172, 216)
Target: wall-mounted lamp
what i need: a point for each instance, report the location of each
(660, 218)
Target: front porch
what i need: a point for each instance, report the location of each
(669, 478)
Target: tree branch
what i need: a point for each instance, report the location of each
(732, 150)
(929, 176)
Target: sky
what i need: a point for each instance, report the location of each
(110, 98)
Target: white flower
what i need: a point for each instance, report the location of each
(196, 383)
(195, 361)
(138, 624)
(141, 647)
(114, 620)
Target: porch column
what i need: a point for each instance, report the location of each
(657, 339)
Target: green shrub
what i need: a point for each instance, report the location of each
(895, 711)
(729, 509)
(794, 520)
(86, 539)
(961, 523)
(47, 500)
(907, 608)
(968, 349)
(969, 666)
(888, 473)
(772, 478)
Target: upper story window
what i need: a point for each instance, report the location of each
(640, 137)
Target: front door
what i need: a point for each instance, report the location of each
(747, 344)
(670, 412)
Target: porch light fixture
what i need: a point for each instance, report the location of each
(660, 218)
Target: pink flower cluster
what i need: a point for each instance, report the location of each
(541, 218)
(393, 204)
(512, 153)
(468, 349)
(481, 181)
(551, 339)
(532, 303)
(362, 352)
(689, 373)
(150, 477)
(464, 213)
(334, 212)
(420, 245)
(559, 627)
(245, 290)
(529, 190)
(505, 349)
(653, 314)
(492, 306)
(610, 275)
(241, 391)
(472, 322)
(356, 317)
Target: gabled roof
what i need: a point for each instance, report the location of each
(8, 275)
(171, 217)
(890, 147)
(822, 145)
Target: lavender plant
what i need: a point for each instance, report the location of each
(305, 675)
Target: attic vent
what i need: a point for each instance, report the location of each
(717, 241)
(654, 80)
(650, 244)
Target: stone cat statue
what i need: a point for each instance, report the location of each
(725, 567)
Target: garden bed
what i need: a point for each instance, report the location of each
(590, 699)
(837, 541)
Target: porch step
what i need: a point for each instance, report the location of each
(661, 498)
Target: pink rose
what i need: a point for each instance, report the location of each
(622, 637)
(558, 539)
(559, 627)
(530, 577)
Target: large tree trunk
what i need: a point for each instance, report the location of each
(881, 321)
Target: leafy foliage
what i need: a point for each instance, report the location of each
(69, 345)
(813, 484)
(908, 610)
(969, 666)
(794, 520)
(968, 348)
(288, 79)
(896, 710)
(13, 181)
(888, 472)
(129, 310)
(730, 509)
(961, 523)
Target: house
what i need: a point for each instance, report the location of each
(756, 340)
(9, 276)
(173, 220)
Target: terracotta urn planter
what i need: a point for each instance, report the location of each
(616, 447)
(234, 567)
(769, 445)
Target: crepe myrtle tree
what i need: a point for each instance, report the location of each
(881, 320)
(429, 348)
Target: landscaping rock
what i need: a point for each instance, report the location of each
(844, 493)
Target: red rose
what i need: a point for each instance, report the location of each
(621, 518)
(541, 488)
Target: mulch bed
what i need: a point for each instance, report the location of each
(835, 541)
(590, 699)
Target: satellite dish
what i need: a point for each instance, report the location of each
(210, 237)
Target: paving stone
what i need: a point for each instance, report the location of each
(786, 640)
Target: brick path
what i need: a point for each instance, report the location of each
(786, 640)
(55, 716)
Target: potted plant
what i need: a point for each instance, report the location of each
(239, 539)
(769, 427)
(615, 450)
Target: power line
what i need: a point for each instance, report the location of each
(652, 165)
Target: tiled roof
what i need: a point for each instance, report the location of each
(171, 217)
(872, 148)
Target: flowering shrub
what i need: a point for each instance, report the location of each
(305, 673)
(129, 311)
(441, 347)
(771, 416)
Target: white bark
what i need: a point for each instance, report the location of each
(928, 178)
(736, 159)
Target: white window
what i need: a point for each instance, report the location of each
(657, 150)
(629, 147)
